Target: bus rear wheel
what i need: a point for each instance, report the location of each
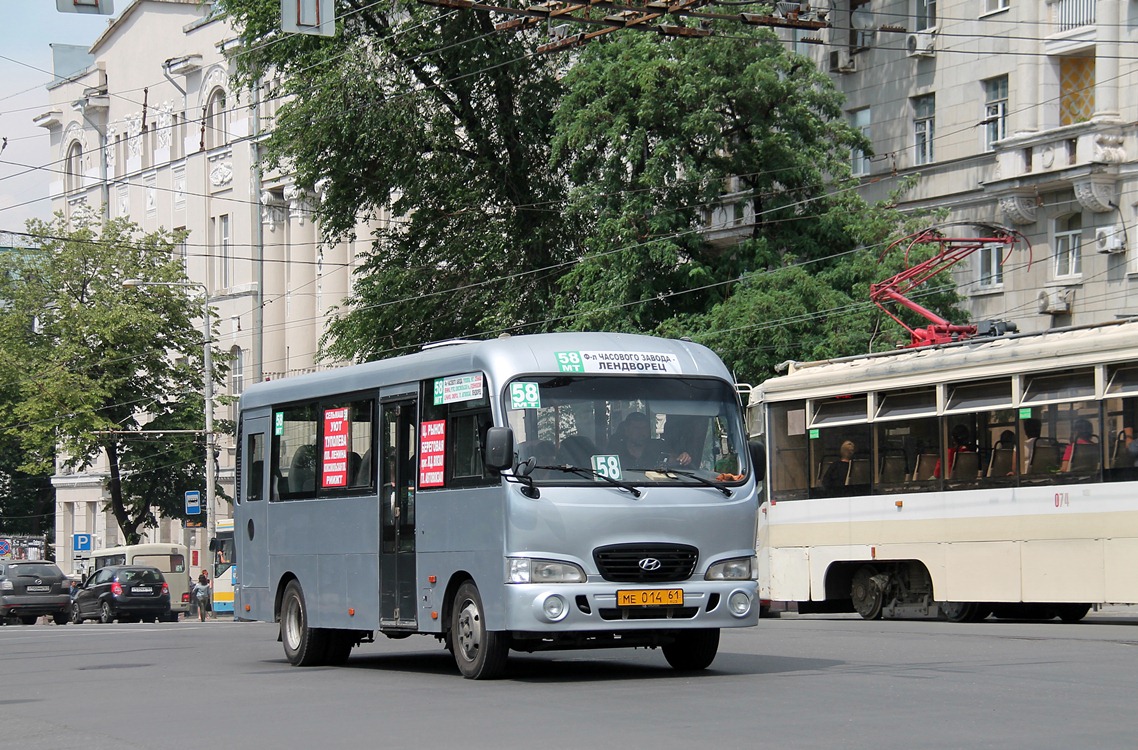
(867, 593)
(693, 649)
(304, 646)
(479, 653)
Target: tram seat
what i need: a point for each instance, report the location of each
(1002, 463)
(926, 467)
(892, 469)
(965, 466)
(860, 472)
(1044, 456)
(1084, 458)
(1120, 457)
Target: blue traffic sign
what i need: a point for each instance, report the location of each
(5, 547)
(193, 502)
(81, 542)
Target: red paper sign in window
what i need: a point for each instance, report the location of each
(335, 464)
(432, 453)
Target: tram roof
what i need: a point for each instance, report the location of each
(499, 358)
(973, 359)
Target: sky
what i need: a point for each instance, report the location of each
(28, 28)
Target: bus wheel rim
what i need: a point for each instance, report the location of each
(469, 630)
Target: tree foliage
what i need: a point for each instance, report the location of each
(431, 115)
(89, 363)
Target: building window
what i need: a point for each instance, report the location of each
(1068, 238)
(923, 110)
(859, 160)
(222, 256)
(993, 6)
(926, 15)
(73, 178)
(216, 120)
(995, 111)
(991, 266)
(236, 379)
(1076, 89)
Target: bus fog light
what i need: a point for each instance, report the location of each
(551, 607)
(739, 603)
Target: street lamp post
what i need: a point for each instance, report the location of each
(207, 366)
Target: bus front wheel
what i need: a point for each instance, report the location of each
(693, 649)
(303, 646)
(479, 653)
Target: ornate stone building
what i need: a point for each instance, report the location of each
(154, 130)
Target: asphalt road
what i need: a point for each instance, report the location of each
(794, 682)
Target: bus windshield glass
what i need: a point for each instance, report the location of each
(658, 430)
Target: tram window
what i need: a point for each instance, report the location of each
(1121, 429)
(1067, 385)
(788, 474)
(1063, 442)
(907, 455)
(917, 403)
(843, 409)
(842, 461)
(1122, 379)
(987, 394)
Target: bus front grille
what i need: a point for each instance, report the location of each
(645, 563)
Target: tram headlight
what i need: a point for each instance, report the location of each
(736, 569)
(528, 570)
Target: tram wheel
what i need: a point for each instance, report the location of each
(963, 611)
(866, 593)
(1072, 612)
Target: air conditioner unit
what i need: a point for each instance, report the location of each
(920, 44)
(841, 61)
(1054, 301)
(1110, 239)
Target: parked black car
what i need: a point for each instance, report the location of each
(31, 588)
(126, 593)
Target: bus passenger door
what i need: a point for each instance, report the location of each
(250, 531)
(397, 514)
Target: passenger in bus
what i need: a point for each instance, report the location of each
(1082, 433)
(836, 474)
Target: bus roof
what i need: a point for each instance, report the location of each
(973, 359)
(500, 358)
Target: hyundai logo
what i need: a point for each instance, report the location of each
(649, 564)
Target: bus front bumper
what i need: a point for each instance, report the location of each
(612, 607)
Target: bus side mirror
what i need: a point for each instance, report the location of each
(758, 459)
(499, 450)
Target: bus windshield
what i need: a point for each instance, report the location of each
(659, 430)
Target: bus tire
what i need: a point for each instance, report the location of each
(866, 593)
(693, 649)
(304, 646)
(340, 643)
(479, 653)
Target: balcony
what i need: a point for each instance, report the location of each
(1068, 15)
(729, 222)
(1084, 157)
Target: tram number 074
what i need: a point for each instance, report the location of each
(1062, 499)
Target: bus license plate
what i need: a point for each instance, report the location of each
(141, 590)
(650, 598)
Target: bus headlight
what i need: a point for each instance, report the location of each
(527, 570)
(736, 569)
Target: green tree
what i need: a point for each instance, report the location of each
(91, 367)
(432, 116)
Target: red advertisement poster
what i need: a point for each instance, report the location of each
(335, 464)
(432, 453)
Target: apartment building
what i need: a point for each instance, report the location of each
(1006, 112)
(153, 129)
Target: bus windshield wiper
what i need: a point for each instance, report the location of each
(692, 475)
(581, 471)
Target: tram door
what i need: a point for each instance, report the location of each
(397, 509)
